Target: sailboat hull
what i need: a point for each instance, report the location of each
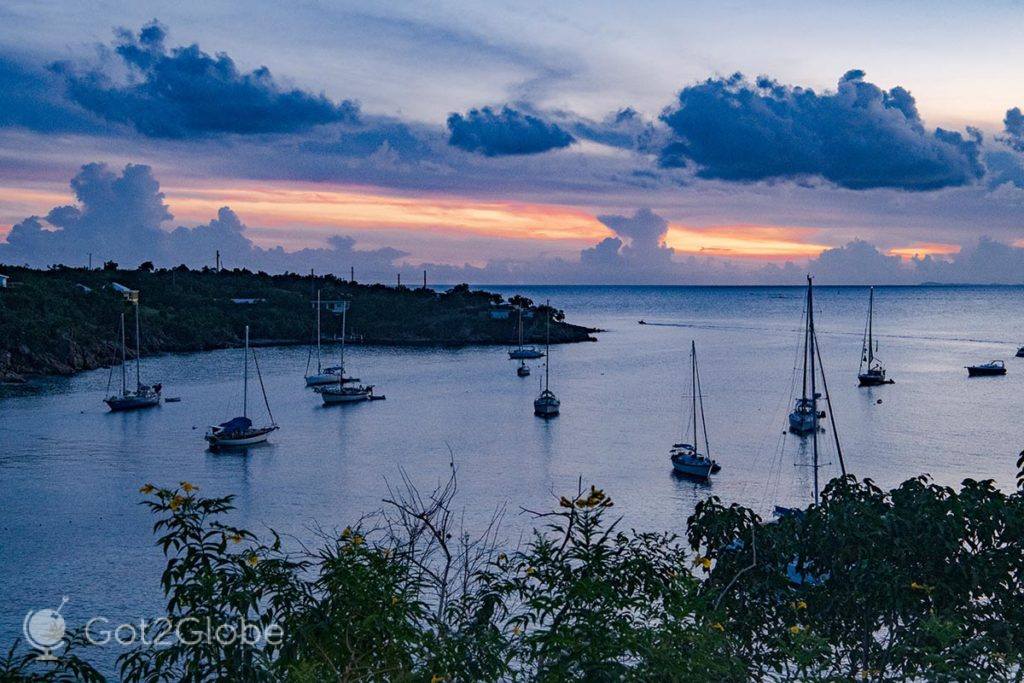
(317, 380)
(240, 440)
(873, 380)
(692, 469)
(525, 354)
(333, 395)
(546, 407)
(120, 404)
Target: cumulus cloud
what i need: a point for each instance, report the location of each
(858, 137)
(119, 217)
(503, 133)
(184, 92)
(1013, 125)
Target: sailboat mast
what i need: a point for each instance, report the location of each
(245, 377)
(341, 372)
(693, 384)
(138, 350)
(806, 343)
(871, 324)
(318, 365)
(124, 360)
(814, 394)
(547, 347)
(520, 328)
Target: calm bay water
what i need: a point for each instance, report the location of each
(71, 525)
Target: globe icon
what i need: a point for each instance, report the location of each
(44, 629)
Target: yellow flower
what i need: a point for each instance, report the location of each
(236, 538)
(394, 600)
(565, 502)
(188, 488)
(530, 571)
(800, 604)
(252, 560)
(702, 561)
(357, 540)
(914, 585)
(718, 626)
(148, 488)
(175, 503)
(437, 678)
(346, 532)
(517, 630)
(795, 630)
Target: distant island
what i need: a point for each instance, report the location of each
(65, 320)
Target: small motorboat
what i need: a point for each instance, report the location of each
(994, 367)
(642, 322)
(1020, 352)
(523, 370)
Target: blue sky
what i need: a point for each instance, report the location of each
(487, 138)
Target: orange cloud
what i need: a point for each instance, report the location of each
(326, 210)
(924, 249)
(745, 241)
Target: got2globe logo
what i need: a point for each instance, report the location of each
(44, 630)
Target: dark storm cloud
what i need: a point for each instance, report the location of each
(184, 92)
(504, 133)
(118, 217)
(31, 98)
(859, 137)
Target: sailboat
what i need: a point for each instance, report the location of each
(143, 396)
(814, 352)
(523, 370)
(239, 431)
(338, 392)
(871, 372)
(331, 375)
(686, 458)
(805, 415)
(547, 404)
(523, 352)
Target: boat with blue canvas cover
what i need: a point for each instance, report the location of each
(239, 431)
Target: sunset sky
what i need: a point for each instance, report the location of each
(526, 141)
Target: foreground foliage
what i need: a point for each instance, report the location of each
(920, 582)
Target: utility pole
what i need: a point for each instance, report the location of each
(399, 280)
(90, 260)
(424, 279)
(352, 274)
(217, 261)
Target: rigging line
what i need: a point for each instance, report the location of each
(831, 413)
(259, 376)
(700, 394)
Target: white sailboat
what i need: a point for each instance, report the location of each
(687, 458)
(328, 375)
(521, 352)
(547, 404)
(144, 395)
(239, 431)
(339, 391)
(871, 372)
(805, 415)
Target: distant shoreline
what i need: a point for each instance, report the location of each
(65, 320)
